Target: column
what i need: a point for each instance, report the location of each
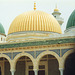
(12, 72)
(35, 72)
(61, 71)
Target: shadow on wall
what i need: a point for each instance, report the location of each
(70, 64)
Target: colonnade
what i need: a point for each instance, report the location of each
(36, 71)
(61, 68)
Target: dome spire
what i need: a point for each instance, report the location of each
(56, 9)
(34, 5)
(56, 5)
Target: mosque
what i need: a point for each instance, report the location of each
(35, 44)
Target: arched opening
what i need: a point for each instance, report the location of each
(24, 66)
(70, 65)
(48, 65)
(4, 66)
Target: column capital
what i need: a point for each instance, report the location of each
(61, 68)
(35, 69)
(12, 70)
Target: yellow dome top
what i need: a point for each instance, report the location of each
(34, 21)
(56, 9)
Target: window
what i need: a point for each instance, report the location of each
(1, 38)
(55, 16)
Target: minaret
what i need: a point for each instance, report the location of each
(57, 14)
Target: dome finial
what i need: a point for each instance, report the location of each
(56, 5)
(56, 9)
(34, 5)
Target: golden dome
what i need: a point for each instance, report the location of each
(34, 21)
(56, 9)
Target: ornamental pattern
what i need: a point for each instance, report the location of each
(37, 43)
(65, 50)
(57, 51)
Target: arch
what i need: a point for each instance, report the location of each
(69, 62)
(7, 57)
(20, 55)
(46, 53)
(67, 54)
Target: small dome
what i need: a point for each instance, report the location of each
(71, 20)
(56, 9)
(34, 21)
(2, 31)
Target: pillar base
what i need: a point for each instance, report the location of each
(61, 71)
(36, 72)
(12, 71)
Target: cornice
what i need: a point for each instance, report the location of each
(29, 48)
(37, 43)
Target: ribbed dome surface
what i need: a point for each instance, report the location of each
(71, 20)
(34, 21)
(2, 31)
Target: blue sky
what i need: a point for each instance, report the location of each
(9, 9)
